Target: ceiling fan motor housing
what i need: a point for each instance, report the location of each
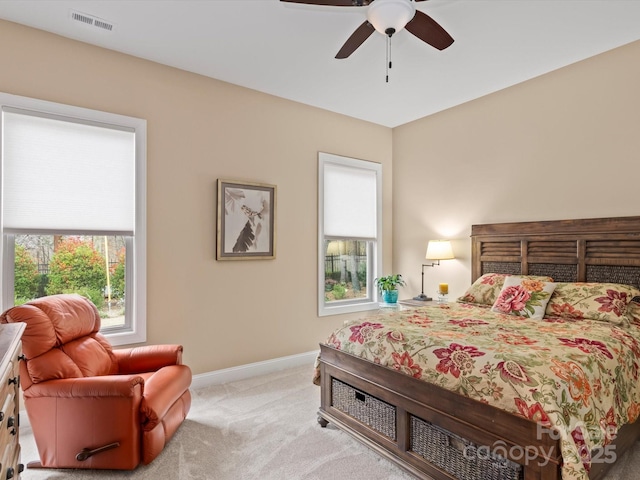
(390, 16)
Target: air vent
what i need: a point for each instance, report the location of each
(91, 21)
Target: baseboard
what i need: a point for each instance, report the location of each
(249, 370)
(241, 372)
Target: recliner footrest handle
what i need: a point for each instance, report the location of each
(87, 452)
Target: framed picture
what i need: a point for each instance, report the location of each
(246, 221)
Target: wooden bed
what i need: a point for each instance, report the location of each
(585, 250)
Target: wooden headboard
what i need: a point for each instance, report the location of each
(584, 250)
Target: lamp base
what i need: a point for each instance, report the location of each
(423, 298)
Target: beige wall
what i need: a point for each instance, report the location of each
(563, 145)
(199, 130)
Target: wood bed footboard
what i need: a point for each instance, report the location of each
(402, 418)
(394, 410)
(475, 422)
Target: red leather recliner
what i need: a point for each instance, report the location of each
(91, 406)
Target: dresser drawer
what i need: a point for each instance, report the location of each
(9, 422)
(7, 398)
(11, 467)
(10, 377)
(5, 375)
(10, 354)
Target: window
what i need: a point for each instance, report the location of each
(72, 201)
(349, 233)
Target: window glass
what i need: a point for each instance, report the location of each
(92, 266)
(346, 270)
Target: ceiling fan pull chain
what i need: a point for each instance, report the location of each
(388, 56)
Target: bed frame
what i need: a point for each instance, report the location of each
(591, 250)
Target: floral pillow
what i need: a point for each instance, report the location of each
(524, 297)
(633, 310)
(485, 290)
(607, 302)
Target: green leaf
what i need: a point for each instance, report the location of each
(589, 417)
(474, 380)
(245, 239)
(537, 396)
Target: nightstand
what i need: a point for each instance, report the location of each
(410, 302)
(382, 306)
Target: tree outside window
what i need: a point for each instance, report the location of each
(90, 266)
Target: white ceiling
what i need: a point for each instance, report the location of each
(288, 50)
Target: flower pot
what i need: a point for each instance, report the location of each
(390, 296)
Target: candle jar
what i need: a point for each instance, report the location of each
(443, 292)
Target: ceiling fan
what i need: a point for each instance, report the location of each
(388, 17)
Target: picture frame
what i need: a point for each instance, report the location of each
(246, 221)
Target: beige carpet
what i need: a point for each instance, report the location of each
(262, 428)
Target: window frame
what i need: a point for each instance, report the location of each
(135, 328)
(374, 245)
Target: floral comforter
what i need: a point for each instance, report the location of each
(577, 377)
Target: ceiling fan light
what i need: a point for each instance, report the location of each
(390, 14)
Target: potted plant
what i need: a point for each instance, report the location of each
(388, 287)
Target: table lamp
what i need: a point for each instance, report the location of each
(436, 250)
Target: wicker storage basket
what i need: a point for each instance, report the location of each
(458, 456)
(378, 415)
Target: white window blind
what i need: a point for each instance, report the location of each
(74, 177)
(350, 201)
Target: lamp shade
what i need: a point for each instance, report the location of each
(439, 250)
(390, 14)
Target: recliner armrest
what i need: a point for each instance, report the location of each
(162, 389)
(148, 358)
(103, 386)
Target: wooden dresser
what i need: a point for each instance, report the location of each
(10, 354)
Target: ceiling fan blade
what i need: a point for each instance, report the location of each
(334, 3)
(427, 29)
(356, 39)
(337, 3)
